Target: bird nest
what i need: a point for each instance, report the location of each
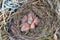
(47, 22)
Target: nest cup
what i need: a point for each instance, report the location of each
(16, 20)
(45, 15)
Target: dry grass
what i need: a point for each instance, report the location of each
(48, 20)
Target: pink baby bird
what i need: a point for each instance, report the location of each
(24, 19)
(36, 20)
(25, 27)
(30, 18)
(32, 26)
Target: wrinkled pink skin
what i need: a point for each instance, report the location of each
(25, 27)
(36, 21)
(29, 19)
(32, 26)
